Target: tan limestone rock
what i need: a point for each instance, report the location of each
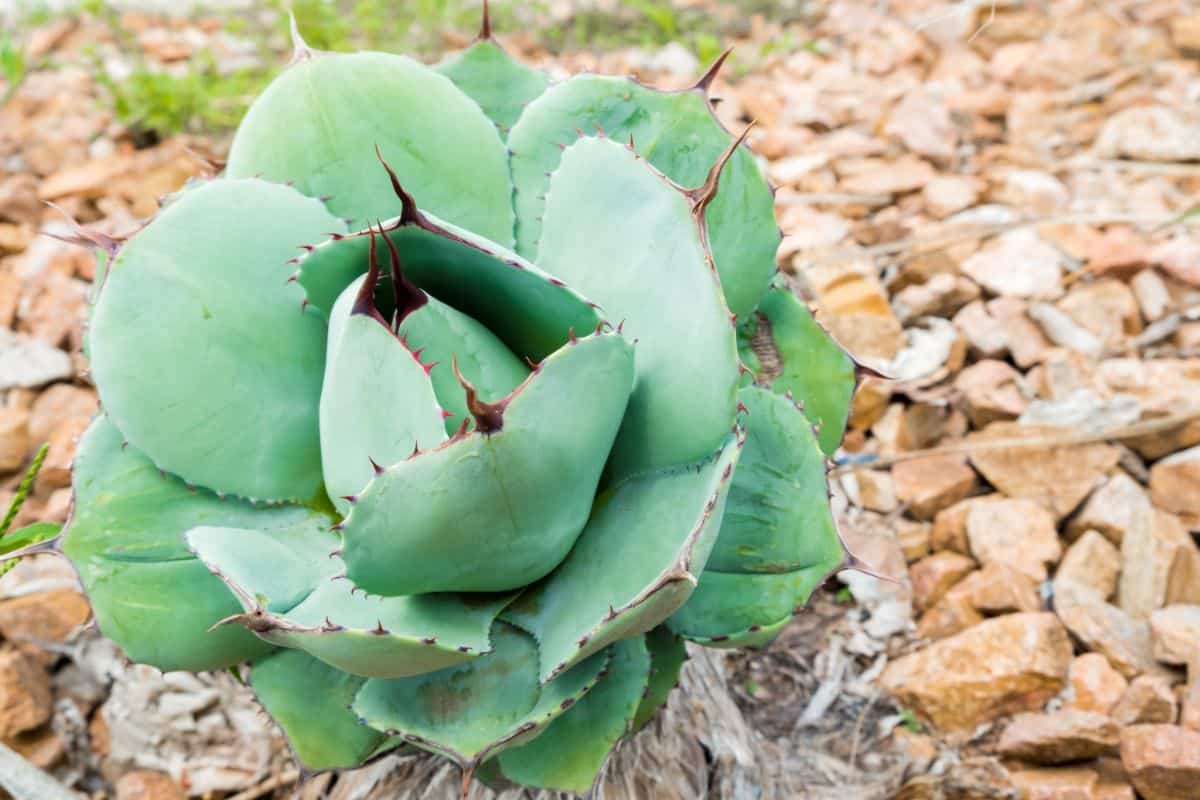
(984, 333)
(56, 469)
(1094, 684)
(949, 194)
(950, 524)
(1185, 31)
(1058, 476)
(1160, 564)
(875, 491)
(1153, 297)
(1176, 633)
(921, 122)
(902, 175)
(940, 296)
(1163, 761)
(1189, 697)
(853, 305)
(1019, 533)
(1175, 483)
(1018, 264)
(999, 589)
(950, 615)
(1059, 737)
(42, 617)
(1025, 339)
(1105, 628)
(869, 403)
(1064, 783)
(1148, 699)
(990, 391)
(41, 747)
(24, 693)
(1011, 663)
(14, 438)
(57, 403)
(933, 576)
(1093, 561)
(1150, 133)
(148, 785)
(1106, 308)
(913, 538)
(1111, 509)
(931, 483)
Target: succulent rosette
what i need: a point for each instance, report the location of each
(528, 408)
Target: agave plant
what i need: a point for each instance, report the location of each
(529, 408)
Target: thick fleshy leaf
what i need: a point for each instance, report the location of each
(777, 541)
(377, 403)
(311, 702)
(445, 337)
(636, 563)
(476, 710)
(318, 123)
(746, 610)
(677, 133)
(125, 538)
(273, 570)
(652, 271)
(288, 589)
(777, 518)
(527, 309)
(200, 349)
(501, 85)
(667, 655)
(497, 508)
(810, 364)
(570, 753)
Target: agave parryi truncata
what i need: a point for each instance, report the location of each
(529, 408)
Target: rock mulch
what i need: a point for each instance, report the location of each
(986, 207)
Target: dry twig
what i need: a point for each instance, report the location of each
(1142, 428)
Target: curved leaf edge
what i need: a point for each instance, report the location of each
(682, 572)
(527, 730)
(260, 621)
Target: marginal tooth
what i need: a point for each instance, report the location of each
(705, 82)
(407, 296)
(703, 194)
(485, 26)
(409, 215)
(364, 302)
(489, 417)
